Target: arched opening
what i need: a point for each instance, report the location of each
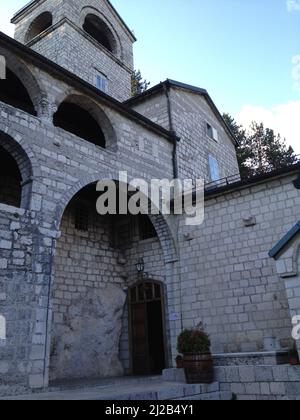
(14, 93)
(76, 120)
(10, 180)
(95, 260)
(100, 31)
(39, 25)
(15, 173)
(147, 326)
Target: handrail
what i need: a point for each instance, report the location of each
(232, 179)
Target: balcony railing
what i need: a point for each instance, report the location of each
(233, 179)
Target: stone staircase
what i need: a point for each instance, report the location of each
(128, 389)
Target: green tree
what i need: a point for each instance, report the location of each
(243, 151)
(138, 84)
(270, 151)
(260, 149)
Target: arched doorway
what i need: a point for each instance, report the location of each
(95, 258)
(16, 173)
(147, 328)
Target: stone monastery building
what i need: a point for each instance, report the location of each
(71, 299)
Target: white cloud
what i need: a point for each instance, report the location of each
(283, 119)
(293, 5)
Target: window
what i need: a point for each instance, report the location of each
(212, 132)
(81, 218)
(122, 231)
(76, 120)
(146, 228)
(14, 93)
(102, 82)
(39, 25)
(99, 30)
(214, 169)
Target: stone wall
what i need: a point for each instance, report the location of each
(88, 301)
(93, 272)
(260, 382)
(190, 114)
(18, 296)
(228, 280)
(62, 164)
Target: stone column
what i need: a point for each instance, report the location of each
(46, 109)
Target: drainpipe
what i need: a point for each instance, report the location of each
(171, 128)
(176, 176)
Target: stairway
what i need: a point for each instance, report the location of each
(128, 389)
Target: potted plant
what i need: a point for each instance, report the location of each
(293, 356)
(179, 362)
(195, 345)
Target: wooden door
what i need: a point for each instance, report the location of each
(140, 352)
(147, 328)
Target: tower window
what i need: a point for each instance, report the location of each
(39, 25)
(102, 82)
(99, 30)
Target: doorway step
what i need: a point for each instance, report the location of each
(134, 389)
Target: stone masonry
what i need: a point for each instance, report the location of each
(64, 288)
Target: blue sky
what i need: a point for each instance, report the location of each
(246, 53)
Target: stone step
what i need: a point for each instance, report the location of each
(102, 382)
(155, 391)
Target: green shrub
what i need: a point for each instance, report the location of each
(193, 341)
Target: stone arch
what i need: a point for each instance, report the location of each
(22, 71)
(24, 165)
(109, 31)
(159, 222)
(56, 326)
(96, 113)
(39, 25)
(23, 144)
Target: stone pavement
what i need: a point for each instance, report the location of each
(151, 389)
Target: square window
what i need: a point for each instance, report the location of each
(102, 82)
(212, 132)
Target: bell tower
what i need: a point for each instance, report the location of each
(88, 38)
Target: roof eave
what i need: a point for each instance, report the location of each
(49, 66)
(282, 244)
(193, 89)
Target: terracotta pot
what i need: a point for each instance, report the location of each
(179, 362)
(294, 361)
(199, 368)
